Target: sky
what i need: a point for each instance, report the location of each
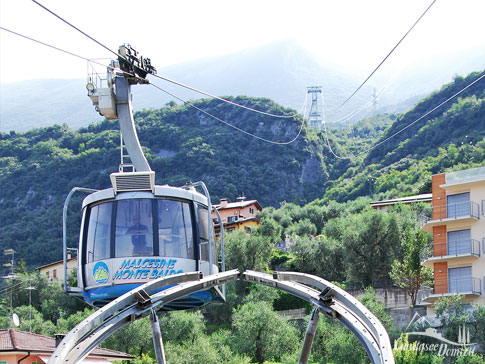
(353, 34)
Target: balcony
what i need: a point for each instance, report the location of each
(470, 286)
(463, 212)
(463, 249)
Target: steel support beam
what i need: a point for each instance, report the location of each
(146, 299)
(157, 338)
(127, 125)
(309, 337)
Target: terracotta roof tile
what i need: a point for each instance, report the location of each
(17, 340)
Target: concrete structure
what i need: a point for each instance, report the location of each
(55, 271)
(385, 204)
(237, 215)
(23, 347)
(458, 227)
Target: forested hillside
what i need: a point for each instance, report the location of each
(451, 137)
(39, 167)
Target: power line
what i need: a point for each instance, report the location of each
(407, 126)
(229, 124)
(224, 100)
(53, 47)
(76, 28)
(386, 57)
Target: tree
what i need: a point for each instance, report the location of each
(409, 273)
(135, 338)
(319, 256)
(180, 326)
(247, 251)
(371, 242)
(261, 333)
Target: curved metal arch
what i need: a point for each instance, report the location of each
(328, 298)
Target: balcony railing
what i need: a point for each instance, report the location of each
(469, 285)
(444, 287)
(452, 211)
(451, 249)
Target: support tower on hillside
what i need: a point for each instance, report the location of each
(315, 116)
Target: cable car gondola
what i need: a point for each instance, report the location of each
(137, 231)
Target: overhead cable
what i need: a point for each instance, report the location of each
(76, 28)
(407, 126)
(224, 100)
(53, 47)
(161, 77)
(229, 124)
(188, 103)
(387, 56)
(427, 113)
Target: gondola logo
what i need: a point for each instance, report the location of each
(100, 272)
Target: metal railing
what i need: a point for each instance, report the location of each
(468, 285)
(451, 249)
(452, 211)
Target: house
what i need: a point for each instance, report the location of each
(237, 215)
(20, 347)
(55, 271)
(385, 204)
(458, 227)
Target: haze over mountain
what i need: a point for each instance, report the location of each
(280, 71)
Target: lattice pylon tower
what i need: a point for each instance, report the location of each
(315, 116)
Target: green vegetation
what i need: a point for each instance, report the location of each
(316, 202)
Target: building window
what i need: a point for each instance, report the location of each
(54, 273)
(251, 210)
(229, 230)
(460, 280)
(47, 275)
(232, 218)
(459, 242)
(458, 205)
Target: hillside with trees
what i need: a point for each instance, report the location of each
(318, 202)
(39, 167)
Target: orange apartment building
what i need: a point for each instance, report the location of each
(458, 227)
(237, 215)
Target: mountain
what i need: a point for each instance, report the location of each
(414, 147)
(280, 71)
(39, 167)
(32, 104)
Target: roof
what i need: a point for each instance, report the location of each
(17, 340)
(426, 197)
(54, 263)
(239, 205)
(237, 222)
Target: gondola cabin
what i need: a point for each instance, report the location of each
(136, 232)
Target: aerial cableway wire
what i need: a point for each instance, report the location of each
(161, 77)
(225, 100)
(178, 98)
(76, 28)
(387, 56)
(407, 126)
(229, 124)
(53, 47)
